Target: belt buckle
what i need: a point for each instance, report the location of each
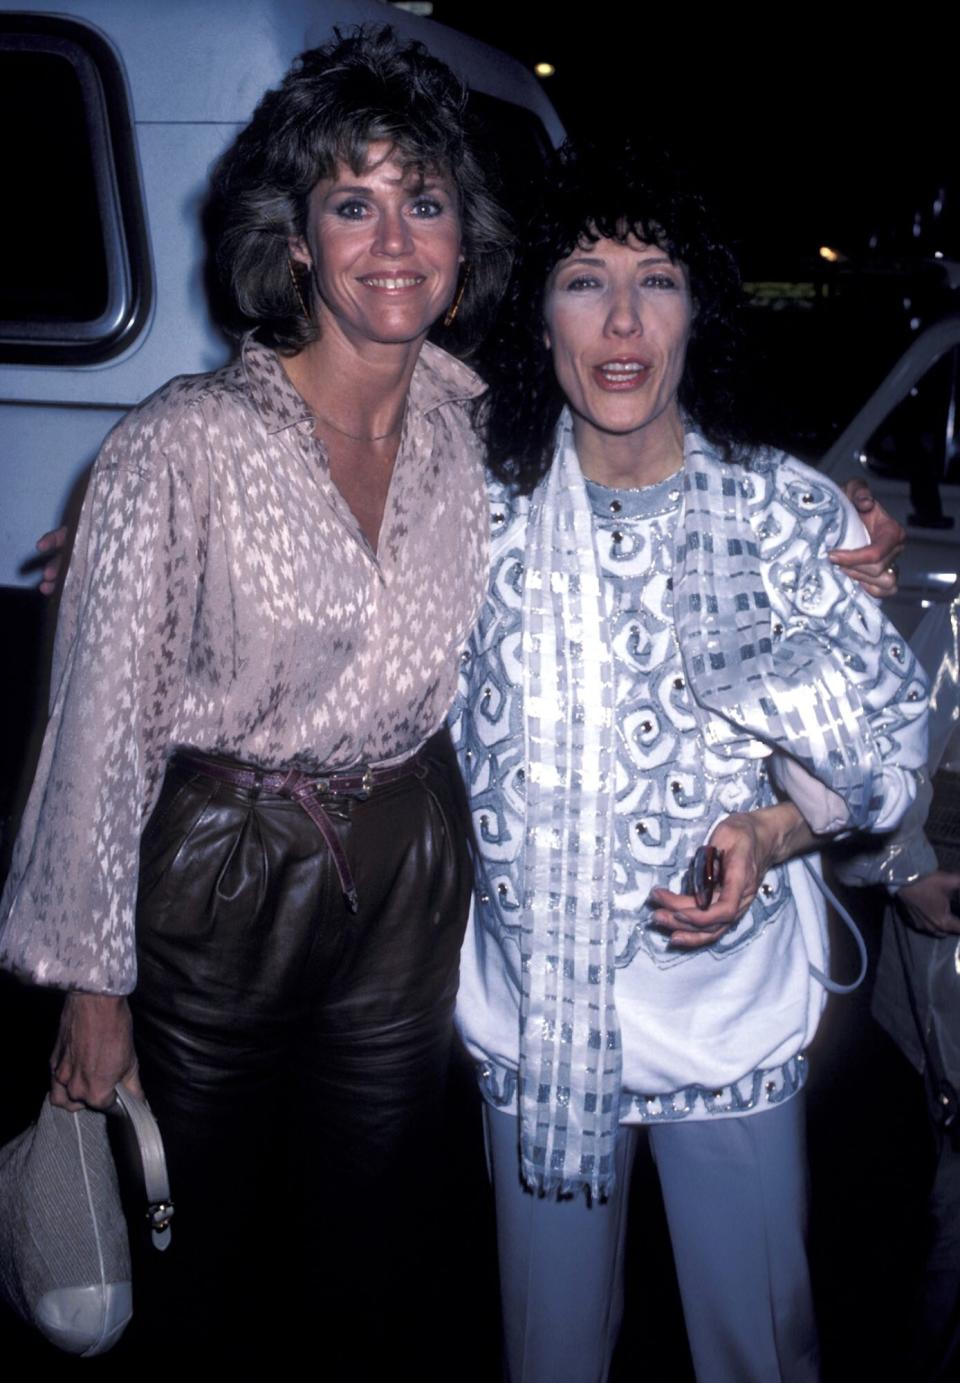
(310, 788)
(366, 784)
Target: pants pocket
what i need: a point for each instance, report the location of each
(184, 842)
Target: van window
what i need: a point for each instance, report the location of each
(73, 281)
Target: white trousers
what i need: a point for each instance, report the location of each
(735, 1194)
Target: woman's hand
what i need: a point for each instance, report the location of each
(93, 1051)
(874, 566)
(54, 543)
(928, 903)
(752, 843)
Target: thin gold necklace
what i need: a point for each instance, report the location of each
(356, 436)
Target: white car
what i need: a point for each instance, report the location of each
(905, 441)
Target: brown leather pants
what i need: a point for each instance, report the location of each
(295, 1055)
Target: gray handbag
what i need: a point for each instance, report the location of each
(64, 1251)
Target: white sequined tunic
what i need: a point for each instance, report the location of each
(717, 1032)
(222, 596)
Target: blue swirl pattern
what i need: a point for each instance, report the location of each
(672, 785)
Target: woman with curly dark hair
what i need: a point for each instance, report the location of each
(672, 695)
(244, 851)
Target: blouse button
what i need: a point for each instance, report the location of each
(678, 684)
(502, 890)
(646, 726)
(615, 506)
(641, 828)
(617, 536)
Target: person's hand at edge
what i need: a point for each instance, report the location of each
(874, 566)
(93, 1052)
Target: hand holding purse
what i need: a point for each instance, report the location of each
(64, 1250)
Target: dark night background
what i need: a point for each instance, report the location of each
(803, 131)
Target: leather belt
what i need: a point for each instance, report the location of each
(307, 790)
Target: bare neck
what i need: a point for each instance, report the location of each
(360, 389)
(630, 460)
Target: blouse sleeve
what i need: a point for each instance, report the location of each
(907, 855)
(122, 648)
(876, 659)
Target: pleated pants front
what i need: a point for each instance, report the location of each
(295, 1055)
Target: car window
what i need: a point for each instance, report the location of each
(921, 431)
(74, 278)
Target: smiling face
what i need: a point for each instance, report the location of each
(383, 247)
(617, 317)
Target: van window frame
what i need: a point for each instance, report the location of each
(113, 156)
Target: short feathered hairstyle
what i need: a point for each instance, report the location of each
(335, 101)
(592, 193)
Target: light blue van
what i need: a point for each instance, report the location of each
(116, 110)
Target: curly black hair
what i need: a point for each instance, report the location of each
(589, 194)
(365, 86)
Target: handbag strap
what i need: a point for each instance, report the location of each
(834, 986)
(943, 1098)
(153, 1162)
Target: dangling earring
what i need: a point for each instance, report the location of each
(454, 308)
(296, 287)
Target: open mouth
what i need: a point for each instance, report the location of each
(393, 282)
(621, 374)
